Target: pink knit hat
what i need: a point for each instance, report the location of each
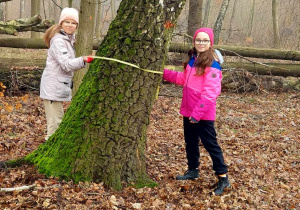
(210, 33)
(69, 13)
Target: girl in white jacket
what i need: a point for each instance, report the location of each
(57, 76)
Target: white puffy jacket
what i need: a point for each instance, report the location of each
(61, 63)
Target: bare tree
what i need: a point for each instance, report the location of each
(232, 19)
(2, 15)
(113, 9)
(22, 8)
(195, 16)
(84, 44)
(275, 24)
(249, 34)
(219, 21)
(207, 13)
(98, 9)
(35, 9)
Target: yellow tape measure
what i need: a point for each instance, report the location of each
(130, 64)
(126, 63)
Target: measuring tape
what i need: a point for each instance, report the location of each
(126, 63)
(130, 64)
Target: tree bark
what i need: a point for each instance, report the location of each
(195, 16)
(219, 21)
(98, 13)
(231, 20)
(34, 23)
(275, 24)
(102, 137)
(22, 8)
(207, 13)
(35, 9)
(251, 20)
(84, 45)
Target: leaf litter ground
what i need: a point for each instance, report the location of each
(259, 135)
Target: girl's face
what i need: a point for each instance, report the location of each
(69, 26)
(202, 42)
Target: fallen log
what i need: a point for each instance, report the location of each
(244, 51)
(174, 47)
(35, 23)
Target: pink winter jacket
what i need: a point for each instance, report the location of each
(200, 93)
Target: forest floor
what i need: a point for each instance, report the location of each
(259, 135)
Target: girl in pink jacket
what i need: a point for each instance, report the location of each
(201, 81)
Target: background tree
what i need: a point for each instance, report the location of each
(275, 24)
(231, 20)
(84, 42)
(22, 8)
(2, 11)
(250, 27)
(98, 14)
(103, 134)
(207, 13)
(219, 21)
(35, 9)
(195, 16)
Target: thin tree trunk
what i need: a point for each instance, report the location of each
(195, 16)
(207, 13)
(98, 21)
(2, 7)
(275, 24)
(232, 19)
(102, 137)
(113, 9)
(84, 44)
(251, 20)
(70, 3)
(219, 21)
(35, 9)
(22, 8)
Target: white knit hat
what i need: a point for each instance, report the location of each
(68, 13)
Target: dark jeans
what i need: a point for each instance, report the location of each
(205, 130)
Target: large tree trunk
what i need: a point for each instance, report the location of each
(102, 137)
(84, 44)
(195, 16)
(219, 21)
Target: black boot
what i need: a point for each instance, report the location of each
(222, 184)
(189, 175)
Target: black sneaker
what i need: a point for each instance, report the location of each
(189, 175)
(222, 184)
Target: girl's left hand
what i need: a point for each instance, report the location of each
(191, 121)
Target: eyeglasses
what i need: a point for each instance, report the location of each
(199, 41)
(70, 23)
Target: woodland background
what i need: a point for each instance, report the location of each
(258, 131)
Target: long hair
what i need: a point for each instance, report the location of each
(203, 59)
(50, 32)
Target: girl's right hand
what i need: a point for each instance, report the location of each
(88, 59)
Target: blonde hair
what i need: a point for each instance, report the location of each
(50, 32)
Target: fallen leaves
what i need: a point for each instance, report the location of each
(259, 135)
